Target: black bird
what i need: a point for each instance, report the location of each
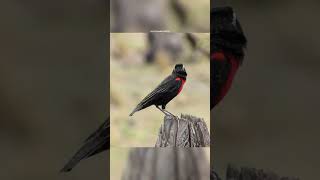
(165, 92)
(227, 45)
(97, 142)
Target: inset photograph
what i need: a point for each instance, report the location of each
(160, 15)
(160, 163)
(159, 90)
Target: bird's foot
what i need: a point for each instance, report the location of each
(176, 117)
(167, 113)
(170, 114)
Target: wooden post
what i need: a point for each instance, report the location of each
(186, 131)
(166, 164)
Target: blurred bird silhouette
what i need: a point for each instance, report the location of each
(97, 142)
(227, 44)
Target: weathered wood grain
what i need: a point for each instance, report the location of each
(167, 164)
(186, 131)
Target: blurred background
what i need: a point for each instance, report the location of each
(155, 15)
(53, 87)
(127, 162)
(137, 66)
(269, 119)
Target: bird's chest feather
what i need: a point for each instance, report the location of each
(182, 81)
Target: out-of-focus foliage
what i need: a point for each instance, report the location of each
(153, 15)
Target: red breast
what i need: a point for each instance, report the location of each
(234, 67)
(182, 83)
(218, 56)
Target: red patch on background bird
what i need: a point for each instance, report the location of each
(234, 67)
(218, 56)
(182, 81)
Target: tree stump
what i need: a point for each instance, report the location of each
(187, 131)
(167, 164)
(244, 173)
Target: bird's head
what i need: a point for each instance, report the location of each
(227, 34)
(180, 71)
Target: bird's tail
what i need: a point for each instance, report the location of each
(138, 108)
(72, 163)
(132, 112)
(94, 144)
(90, 148)
(85, 151)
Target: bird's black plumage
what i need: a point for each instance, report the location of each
(165, 91)
(227, 45)
(226, 32)
(97, 142)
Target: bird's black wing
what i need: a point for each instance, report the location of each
(95, 143)
(167, 85)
